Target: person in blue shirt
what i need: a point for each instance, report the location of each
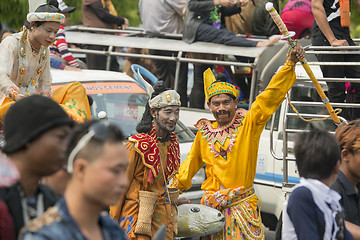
(97, 162)
(313, 210)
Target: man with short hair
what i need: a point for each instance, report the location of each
(228, 148)
(98, 161)
(35, 132)
(313, 210)
(154, 159)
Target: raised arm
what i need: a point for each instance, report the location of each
(271, 98)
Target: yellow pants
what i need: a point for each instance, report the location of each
(71, 97)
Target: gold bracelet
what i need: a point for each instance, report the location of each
(289, 63)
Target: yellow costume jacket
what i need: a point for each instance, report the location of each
(242, 141)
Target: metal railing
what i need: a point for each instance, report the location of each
(287, 114)
(136, 38)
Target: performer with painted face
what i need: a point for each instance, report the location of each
(154, 160)
(228, 148)
(25, 64)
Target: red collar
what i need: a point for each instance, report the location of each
(145, 144)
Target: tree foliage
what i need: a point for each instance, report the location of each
(13, 12)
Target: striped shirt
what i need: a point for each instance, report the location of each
(60, 48)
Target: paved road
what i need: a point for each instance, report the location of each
(269, 235)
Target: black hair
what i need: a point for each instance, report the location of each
(221, 77)
(52, 7)
(317, 153)
(90, 99)
(145, 125)
(94, 148)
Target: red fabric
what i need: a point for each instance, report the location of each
(6, 223)
(297, 21)
(146, 146)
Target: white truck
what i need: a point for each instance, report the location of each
(276, 168)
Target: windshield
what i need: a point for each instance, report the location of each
(124, 103)
(126, 110)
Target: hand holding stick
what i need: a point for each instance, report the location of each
(287, 35)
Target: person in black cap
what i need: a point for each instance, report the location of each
(35, 133)
(60, 48)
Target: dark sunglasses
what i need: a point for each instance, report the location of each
(98, 130)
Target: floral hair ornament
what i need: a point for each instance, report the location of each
(213, 88)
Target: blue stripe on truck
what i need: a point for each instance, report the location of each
(275, 177)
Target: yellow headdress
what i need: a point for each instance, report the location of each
(212, 88)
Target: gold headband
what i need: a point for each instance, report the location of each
(212, 88)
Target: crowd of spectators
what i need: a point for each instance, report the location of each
(325, 203)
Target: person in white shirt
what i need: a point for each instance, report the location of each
(313, 210)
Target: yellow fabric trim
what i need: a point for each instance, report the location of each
(241, 199)
(209, 78)
(213, 89)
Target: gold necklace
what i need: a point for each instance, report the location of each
(33, 49)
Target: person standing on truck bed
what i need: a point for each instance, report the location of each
(329, 30)
(348, 182)
(158, 18)
(313, 210)
(228, 147)
(101, 14)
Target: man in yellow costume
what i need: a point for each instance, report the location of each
(25, 64)
(228, 147)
